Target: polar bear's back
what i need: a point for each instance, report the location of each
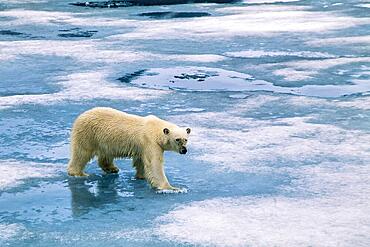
(109, 131)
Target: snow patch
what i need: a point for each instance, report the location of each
(365, 5)
(9, 231)
(276, 221)
(192, 109)
(259, 145)
(83, 51)
(358, 102)
(301, 70)
(91, 51)
(326, 205)
(13, 173)
(82, 86)
(201, 58)
(340, 41)
(261, 53)
(291, 74)
(55, 18)
(245, 21)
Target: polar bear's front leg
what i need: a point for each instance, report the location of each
(154, 172)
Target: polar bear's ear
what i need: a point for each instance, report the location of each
(166, 131)
(188, 130)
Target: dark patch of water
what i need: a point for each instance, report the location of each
(173, 15)
(14, 33)
(128, 3)
(10, 32)
(131, 76)
(76, 33)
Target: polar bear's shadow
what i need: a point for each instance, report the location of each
(95, 192)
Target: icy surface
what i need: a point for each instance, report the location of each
(12, 173)
(277, 93)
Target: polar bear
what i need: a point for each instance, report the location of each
(108, 133)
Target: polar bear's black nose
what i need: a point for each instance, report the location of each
(183, 150)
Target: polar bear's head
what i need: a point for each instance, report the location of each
(176, 139)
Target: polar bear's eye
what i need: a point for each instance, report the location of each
(185, 140)
(178, 139)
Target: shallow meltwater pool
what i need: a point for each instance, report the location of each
(276, 93)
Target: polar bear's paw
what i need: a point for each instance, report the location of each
(172, 190)
(111, 169)
(77, 174)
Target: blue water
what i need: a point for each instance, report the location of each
(277, 94)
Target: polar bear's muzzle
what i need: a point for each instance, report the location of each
(183, 150)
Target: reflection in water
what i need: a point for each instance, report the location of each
(94, 192)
